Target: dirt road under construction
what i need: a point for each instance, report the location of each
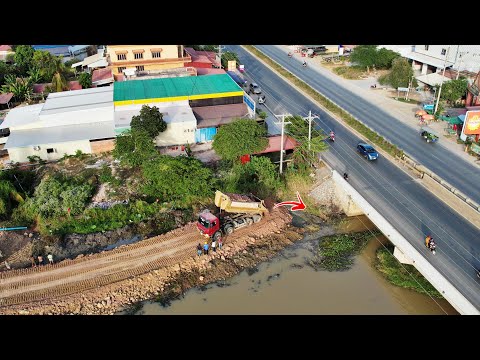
(94, 271)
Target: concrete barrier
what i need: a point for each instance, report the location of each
(453, 296)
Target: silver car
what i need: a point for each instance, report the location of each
(254, 88)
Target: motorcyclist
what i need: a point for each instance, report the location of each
(332, 135)
(289, 54)
(261, 99)
(345, 176)
(427, 241)
(304, 63)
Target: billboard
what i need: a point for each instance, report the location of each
(472, 123)
(232, 65)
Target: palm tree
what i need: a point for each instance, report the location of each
(59, 81)
(21, 88)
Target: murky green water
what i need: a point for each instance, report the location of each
(286, 285)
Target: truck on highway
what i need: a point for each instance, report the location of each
(238, 211)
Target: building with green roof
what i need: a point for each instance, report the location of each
(134, 92)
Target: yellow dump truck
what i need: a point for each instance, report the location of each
(239, 211)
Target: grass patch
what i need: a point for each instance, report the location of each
(349, 72)
(347, 118)
(403, 275)
(335, 253)
(409, 101)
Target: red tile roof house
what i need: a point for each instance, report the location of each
(102, 77)
(201, 59)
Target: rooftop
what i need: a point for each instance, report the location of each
(21, 115)
(274, 144)
(60, 134)
(209, 71)
(77, 100)
(171, 114)
(102, 76)
(181, 88)
(213, 116)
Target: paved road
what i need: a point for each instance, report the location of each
(412, 209)
(451, 167)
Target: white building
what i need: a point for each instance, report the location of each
(181, 122)
(432, 58)
(68, 121)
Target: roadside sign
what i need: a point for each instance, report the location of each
(250, 104)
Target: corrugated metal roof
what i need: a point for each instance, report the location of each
(213, 116)
(174, 87)
(77, 100)
(21, 115)
(60, 134)
(171, 114)
(274, 144)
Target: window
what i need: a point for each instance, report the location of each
(156, 54)
(121, 56)
(50, 151)
(444, 51)
(138, 55)
(121, 68)
(426, 47)
(140, 68)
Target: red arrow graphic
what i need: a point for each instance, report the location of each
(297, 205)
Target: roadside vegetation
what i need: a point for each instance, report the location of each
(403, 275)
(400, 75)
(350, 72)
(335, 253)
(330, 106)
(27, 67)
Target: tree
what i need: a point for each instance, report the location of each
(400, 75)
(59, 80)
(241, 137)
(181, 179)
(69, 63)
(298, 128)
(43, 61)
(259, 176)
(21, 88)
(150, 119)
(5, 70)
(364, 55)
(134, 147)
(367, 56)
(7, 194)
(85, 79)
(454, 90)
(23, 58)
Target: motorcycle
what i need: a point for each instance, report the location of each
(345, 176)
(304, 64)
(432, 246)
(332, 138)
(478, 273)
(289, 55)
(261, 100)
(374, 86)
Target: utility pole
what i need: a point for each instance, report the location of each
(220, 54)
(461, 58)
(281, 144)
(310, 118)
(441, 82)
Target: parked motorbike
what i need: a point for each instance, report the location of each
(289, 55)
(261, 100)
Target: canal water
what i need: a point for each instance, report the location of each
(287, 285)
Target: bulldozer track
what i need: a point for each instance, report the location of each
(89, 272)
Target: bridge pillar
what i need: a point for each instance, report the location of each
(404, 259)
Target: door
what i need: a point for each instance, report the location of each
(205, 134)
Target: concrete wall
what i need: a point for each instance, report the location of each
(177, 134)
(102, 146)
(21, 154)
(345, 200)
(453, 296)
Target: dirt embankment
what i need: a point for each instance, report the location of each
(243, 249)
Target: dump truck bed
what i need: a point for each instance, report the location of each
(237, 203)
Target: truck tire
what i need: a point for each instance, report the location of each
(249, 221)
(228, 229)
(217, 236)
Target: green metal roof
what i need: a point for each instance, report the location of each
(173, 87)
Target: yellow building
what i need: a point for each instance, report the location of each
(146, 58)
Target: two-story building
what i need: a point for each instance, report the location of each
(147, 59)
